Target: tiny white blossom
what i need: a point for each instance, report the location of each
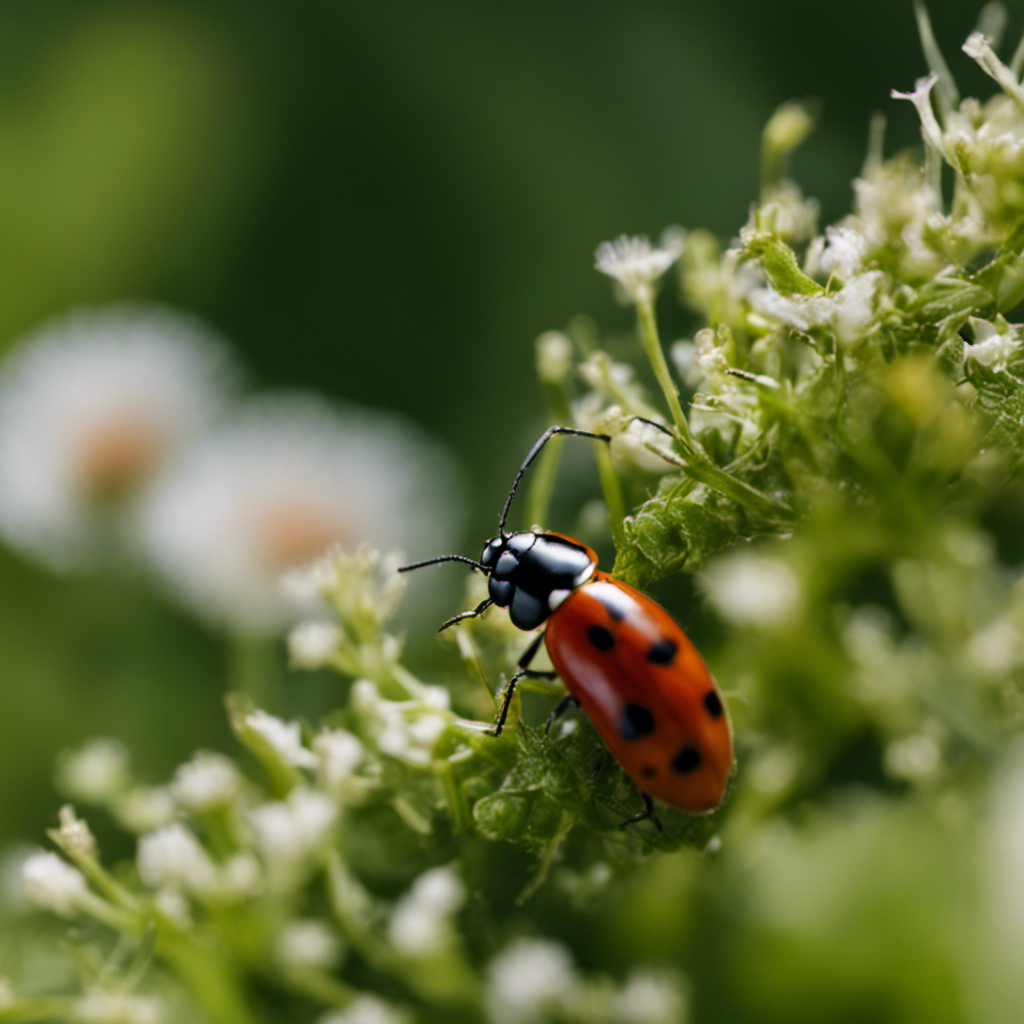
(528, 978)
(649, 998)
(313, 645)
(996, 648)
(73, 833)
(91, 405)
(51, 883)
(308, 943)
(554, 357)
(340, 753)
(751, 589)
(979, 49)
(992, 348)
(284, 738)
(282, 481)
(96, 773)
(173, 857)
(102, 1006)
(630, 445)
(845, 250)
(209, 780)
(912, 758)
(292, 830)
(420, 920)
(144, 808)
(636, 265)
(174, 906)
(365, 1009)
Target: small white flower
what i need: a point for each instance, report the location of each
(420, 922)
(96, 773)
(101, 1006)
(636, 265)
(649, 998)
(292, 830)
(992, 348)
(750, 589)
(90, 406)
(844, 253)
(280, 483)
(365, 1009)
(51, 883)
(174, 906)
(340, 754)
(284, 738)
(630, 445)
(912, 758)
(208, 781)
(172, 857)
(308, 943)
(996, 648)
(73, 833)
(144, 808)
(313, 645)
(554, 357)
(528, 978)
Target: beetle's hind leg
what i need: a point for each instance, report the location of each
(525, 672)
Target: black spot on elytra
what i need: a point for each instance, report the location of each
(635, 721)
(662, 651)
(648, 771)
(601, 638)
(687, 760)
(713, 704)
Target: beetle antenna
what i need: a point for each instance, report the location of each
(443, 558)
(533, 453)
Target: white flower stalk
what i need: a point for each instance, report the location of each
(50, 883)
(96, 773)
(921, 97)
(308, 943)
(636, 265)
(280, 483)
(528, 980)
(421, 923)
(103, 1006)
(979, 49)
(206, 782)
(992, 347)
(756, 590)
(91, 405)
(283, 738)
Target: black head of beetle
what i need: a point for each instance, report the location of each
(531, 573)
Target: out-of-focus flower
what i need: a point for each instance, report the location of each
(209, 780)
(96, 773)
(91, 405)
(291, 831)
(992, 348)
(365, 1009)
(101, 1006)
(281, 482)
(73, 834)
(528, 978)
(52, 884)
(420, 923)
(751, 589)
(308, 943)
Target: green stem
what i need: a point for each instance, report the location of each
(253, 670)
(652, 346)
(612, 494)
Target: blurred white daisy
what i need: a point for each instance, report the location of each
(286, 477)
(90, 405)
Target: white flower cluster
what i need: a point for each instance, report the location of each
(120, 435)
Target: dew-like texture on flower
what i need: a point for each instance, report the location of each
(636, 265)
(283, 480)
(52, 884)
(91, 405)
(528, 978)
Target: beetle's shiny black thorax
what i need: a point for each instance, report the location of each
(532, 573)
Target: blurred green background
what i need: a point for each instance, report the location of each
(387, 202)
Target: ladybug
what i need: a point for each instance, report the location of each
(624, 660)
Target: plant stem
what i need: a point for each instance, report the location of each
(652, 346)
